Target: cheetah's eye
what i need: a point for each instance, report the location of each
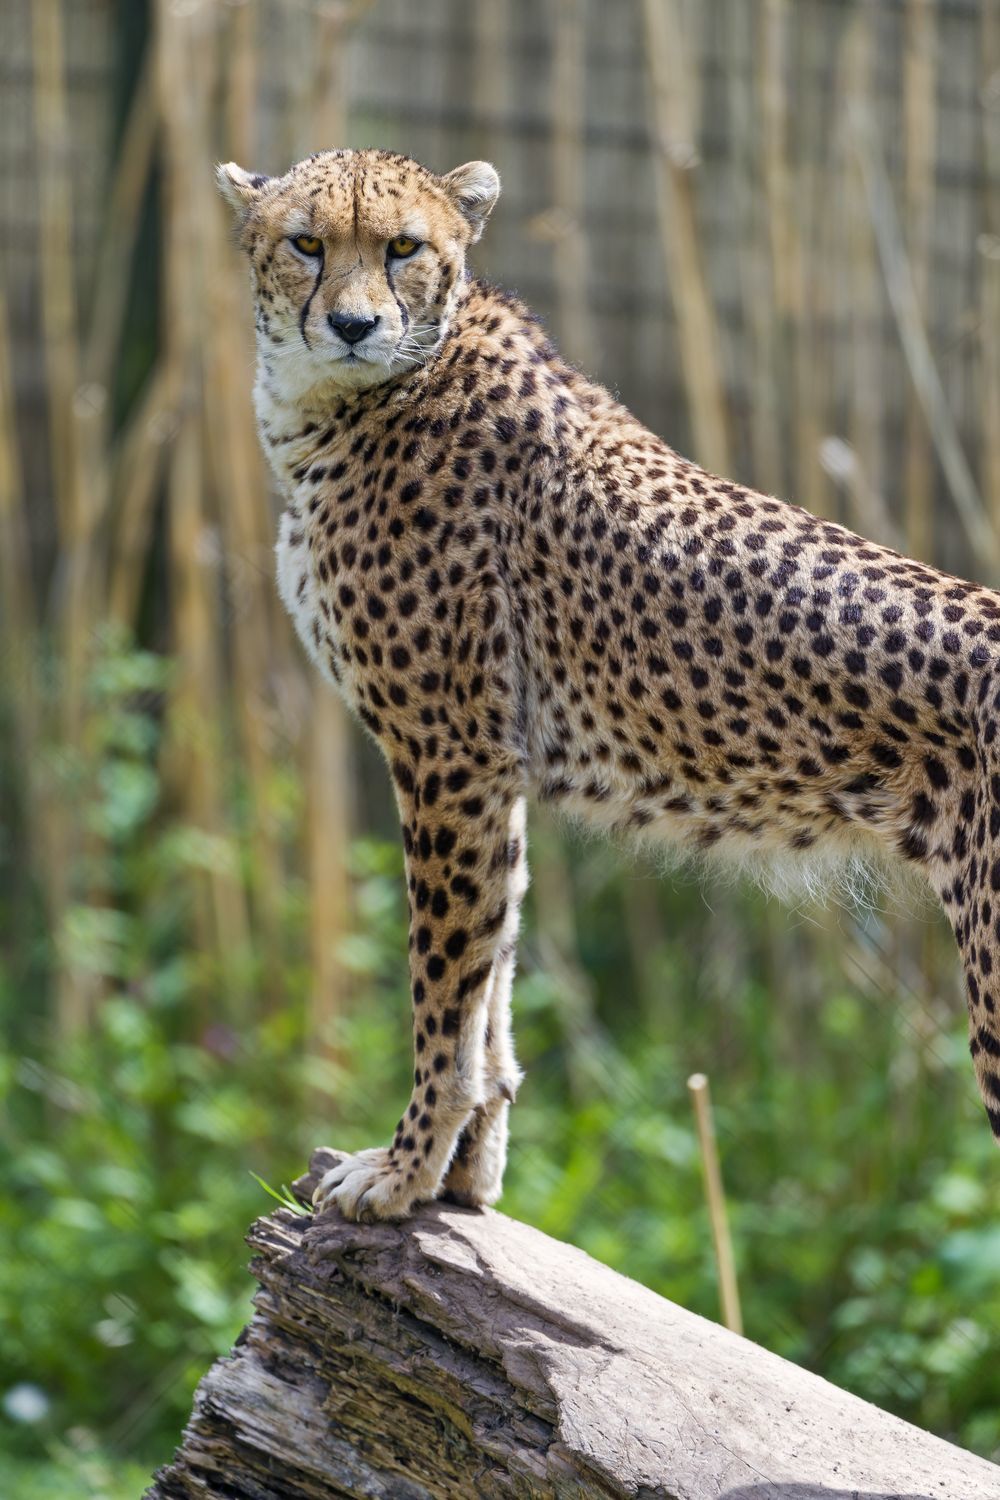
(402, 247)
(308, 244)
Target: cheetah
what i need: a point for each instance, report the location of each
(519, 589)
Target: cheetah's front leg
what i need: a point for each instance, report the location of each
(463, 834)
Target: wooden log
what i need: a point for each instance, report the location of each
(462, 1354)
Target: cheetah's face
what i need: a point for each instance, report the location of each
(356, 260)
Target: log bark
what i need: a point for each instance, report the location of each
(462, 1354)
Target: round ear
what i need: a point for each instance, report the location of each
(239, 188)
(474, 188)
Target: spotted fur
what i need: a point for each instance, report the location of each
(518, 588)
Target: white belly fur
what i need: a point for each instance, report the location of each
(299, 590)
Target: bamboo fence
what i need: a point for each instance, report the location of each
(773, 227)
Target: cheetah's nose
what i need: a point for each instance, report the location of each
(351, 330)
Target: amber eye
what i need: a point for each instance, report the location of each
(403, 246)
(308, 244)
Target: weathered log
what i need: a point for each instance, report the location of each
(463, 1354)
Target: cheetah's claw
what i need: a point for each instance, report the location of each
(369, 1186)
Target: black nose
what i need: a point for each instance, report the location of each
(351, 330)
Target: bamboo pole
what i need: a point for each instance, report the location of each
(17, 602)
(920, 362)
(76, 406)
(559, 950)
(790, 301)
(491, 35)
(239, 486)
(73, 992)
(644, 932)
(989, 264)
(715, 1197)
(569, 242)
(117, 247)
(330, 88)
(675, 156)
(58, 293)
(920, 134)
(866, 416)
(822, 213)
(242, 47)
(138, 466)
(757, 287)
(194, 762)
(18, 619)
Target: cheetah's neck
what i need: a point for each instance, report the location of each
(488, 326)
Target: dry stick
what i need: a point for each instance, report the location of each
(675, 158)
(576, 332)
(920, 130)
(920, 361)
(729, 1295)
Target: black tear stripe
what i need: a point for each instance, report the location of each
(308, 302)
(392, 287)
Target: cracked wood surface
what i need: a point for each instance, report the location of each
(463, 1354)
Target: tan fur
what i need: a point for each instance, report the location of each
(518, 588)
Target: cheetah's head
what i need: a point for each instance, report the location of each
(357, 258)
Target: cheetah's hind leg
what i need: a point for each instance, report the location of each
(964, 869)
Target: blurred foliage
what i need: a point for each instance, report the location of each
(861, 1177)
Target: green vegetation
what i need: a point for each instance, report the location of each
(862, 1181)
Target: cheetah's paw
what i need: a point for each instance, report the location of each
(369, 1186)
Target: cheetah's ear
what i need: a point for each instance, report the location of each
(475, 188)
(239, 188)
